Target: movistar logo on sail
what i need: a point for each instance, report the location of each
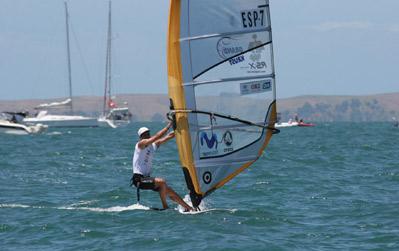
(210, 146)
(210, 142)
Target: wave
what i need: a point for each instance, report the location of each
(92, 209)
(109, 209)
(116, 209)
(54, 133)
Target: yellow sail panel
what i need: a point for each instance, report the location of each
(176, 92)
(222, 87)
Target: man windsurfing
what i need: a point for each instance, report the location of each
(142, 164)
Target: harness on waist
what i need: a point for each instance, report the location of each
(143, 182)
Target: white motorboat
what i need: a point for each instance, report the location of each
(112, 115)
(290, 123)
(15, 128)
(10, 125)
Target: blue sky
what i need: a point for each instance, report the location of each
(321, 47)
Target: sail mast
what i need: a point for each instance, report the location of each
(68, 55)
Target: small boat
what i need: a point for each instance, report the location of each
(290, 123)
(115, 117)
(9, 124)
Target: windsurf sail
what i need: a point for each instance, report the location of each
(222, 88)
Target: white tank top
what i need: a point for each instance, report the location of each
(142, 159)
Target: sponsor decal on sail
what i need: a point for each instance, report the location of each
(211, 147)
(255, 87)
(228, 47)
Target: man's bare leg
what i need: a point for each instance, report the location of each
(161, 184)
(175, 197)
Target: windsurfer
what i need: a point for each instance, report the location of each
(142, 164)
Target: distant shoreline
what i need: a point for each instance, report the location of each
(162, 94)
(317, 108)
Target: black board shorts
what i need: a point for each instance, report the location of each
(145, 183)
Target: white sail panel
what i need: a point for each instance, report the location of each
(231, 57)
(225, 16)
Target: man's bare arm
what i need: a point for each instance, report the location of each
(145, 142)
(165, 139)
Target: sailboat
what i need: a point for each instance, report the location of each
(222, 88)
(62, 120)
(112, 116)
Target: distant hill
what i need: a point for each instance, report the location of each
(380, 107)
(153, 107)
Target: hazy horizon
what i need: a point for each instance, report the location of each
(144, 94)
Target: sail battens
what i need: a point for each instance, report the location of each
(227, 34)
(195, 83)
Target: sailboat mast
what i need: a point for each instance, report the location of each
(106, 82)
(109, 49)
(68, 55)
(107, 85)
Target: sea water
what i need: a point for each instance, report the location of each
(333, 186)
